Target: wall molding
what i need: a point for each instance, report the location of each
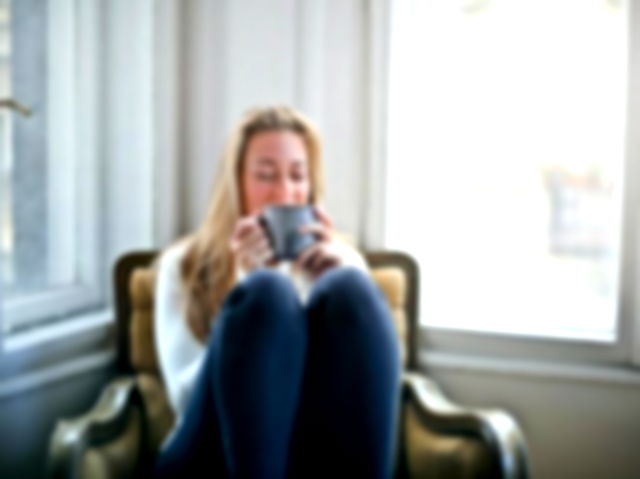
(377, 36)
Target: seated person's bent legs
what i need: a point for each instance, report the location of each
(243, 406)
(349, 405)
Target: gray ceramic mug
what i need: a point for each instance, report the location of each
(282, 224)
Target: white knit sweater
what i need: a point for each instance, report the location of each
(180, 354)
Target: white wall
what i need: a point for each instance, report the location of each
(313, 55)
(304, 53)
(575, 427)
(27, 420)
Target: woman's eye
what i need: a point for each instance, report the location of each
(265, 176)
(298, 176)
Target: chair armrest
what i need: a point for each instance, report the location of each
(497, 428)
(104, 422)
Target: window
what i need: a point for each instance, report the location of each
(506, 147)
(6, 236)
(48, 210)
(79, 184)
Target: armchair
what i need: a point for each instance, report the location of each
(120, 436)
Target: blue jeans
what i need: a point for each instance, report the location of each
(288, 390)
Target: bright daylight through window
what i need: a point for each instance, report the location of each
(506, 153)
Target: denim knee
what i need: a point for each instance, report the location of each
(346, 288)
(346, 282)
(268, 283)
(263, 297)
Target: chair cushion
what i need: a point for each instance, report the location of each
(141, 336)
(393, 283)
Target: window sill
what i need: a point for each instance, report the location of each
(87, 324)
(594, 337)
(523, 348)
(530, 369)
(52, 352)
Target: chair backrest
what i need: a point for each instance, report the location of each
(396, 273)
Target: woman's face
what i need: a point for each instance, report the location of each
(275, 171)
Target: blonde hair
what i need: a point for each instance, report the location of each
(207, 269)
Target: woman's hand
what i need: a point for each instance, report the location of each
(250, 245)
(323, 254)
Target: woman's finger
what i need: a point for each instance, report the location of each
(327, 260)
(244, 226)
(323, 216)
(266, 254)
(262, 251)
(249, 243)
(256, 257)
(318, 229)
(306, 255)
(316, 261)
(255, 240)
(239, 244)
(327, 263)
(259, 258)
(254, 244)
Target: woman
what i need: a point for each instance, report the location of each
(273, 370)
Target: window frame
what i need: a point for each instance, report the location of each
(128, 130)
(624, 350)
(73, 164)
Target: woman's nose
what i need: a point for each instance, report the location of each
(284, 192)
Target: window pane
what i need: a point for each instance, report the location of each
(25, 153)
(506, 152)
(50, 193)
(6, 229)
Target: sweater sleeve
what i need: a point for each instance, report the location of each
(179, 353)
